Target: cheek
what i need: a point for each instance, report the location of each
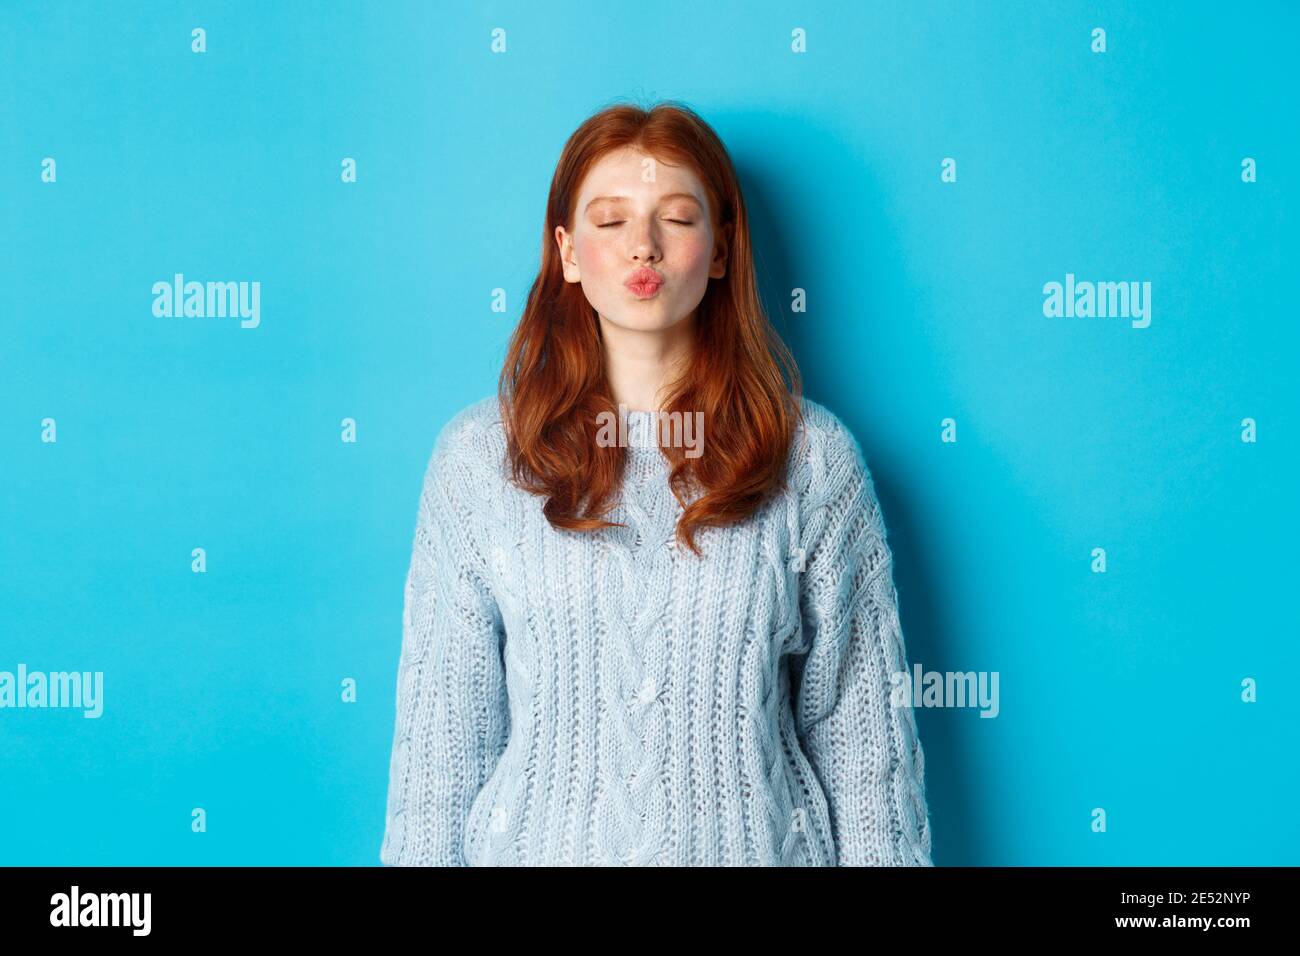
(693, 255)
(596, 259)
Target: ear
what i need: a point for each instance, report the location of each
(721, 251)
(567, 261)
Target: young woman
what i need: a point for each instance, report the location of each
(641, 638)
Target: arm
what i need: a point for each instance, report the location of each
(452, 714)
(864, 750)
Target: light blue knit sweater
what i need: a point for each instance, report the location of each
(608, 698)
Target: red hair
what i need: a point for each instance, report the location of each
(553, 384)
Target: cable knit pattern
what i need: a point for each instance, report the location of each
(608, 698)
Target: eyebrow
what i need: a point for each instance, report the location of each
(689, 196)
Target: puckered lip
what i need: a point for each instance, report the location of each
(644, 276)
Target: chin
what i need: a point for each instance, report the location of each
(640, 325)
(645, 319)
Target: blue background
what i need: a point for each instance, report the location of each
(1118, 690)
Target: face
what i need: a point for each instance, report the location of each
(635, 212)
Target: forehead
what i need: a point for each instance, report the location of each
(622, 173)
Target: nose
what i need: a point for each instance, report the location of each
(645, 246)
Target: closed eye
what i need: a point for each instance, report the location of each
(680, 222)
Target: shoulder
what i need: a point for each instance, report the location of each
(827, 461)
(470, 441)
(474, 422)
(835, 487)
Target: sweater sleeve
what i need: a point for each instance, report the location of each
(864, 750)
(452, 715)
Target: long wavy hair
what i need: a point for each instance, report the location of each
(553, 386)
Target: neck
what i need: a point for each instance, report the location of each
(641, 365)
